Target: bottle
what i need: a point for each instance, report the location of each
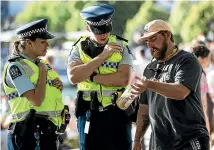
(124, 101)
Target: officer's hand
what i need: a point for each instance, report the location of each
(58, 84)
(42, 67)
(110, 48)
(136, 145)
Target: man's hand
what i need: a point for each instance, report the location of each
(110, 48)
(139, 87)
(58, 84)
(136, 145)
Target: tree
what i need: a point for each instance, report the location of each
(147, 12)
(75, 22)
(197, 21)
(177, 17)
(123, 10)
(56, 12)
(65, 16)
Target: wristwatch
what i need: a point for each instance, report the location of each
(92, 76)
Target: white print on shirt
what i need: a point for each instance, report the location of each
(195, 144)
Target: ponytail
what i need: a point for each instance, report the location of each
(18, 47)
(16, 50)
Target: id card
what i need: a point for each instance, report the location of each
(87, 125)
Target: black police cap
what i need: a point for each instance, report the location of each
(35, 29)
(99, 18)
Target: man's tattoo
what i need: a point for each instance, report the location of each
(145, 122)
(142, 124)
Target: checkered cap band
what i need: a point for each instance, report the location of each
(12, 95)
(32, 32)
(100, 23)
(110, 64)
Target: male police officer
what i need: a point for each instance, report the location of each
(33, 90)
(100, 64)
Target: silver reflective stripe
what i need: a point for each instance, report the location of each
(87, 94)
(27, 68)
(47, 113)
(12, 95)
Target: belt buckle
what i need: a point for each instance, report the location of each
(101, 109)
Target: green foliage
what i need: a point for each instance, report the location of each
(65, 16)
(147, 12)
(197, 20)
(177, 17)
(56, 12)
(123, 10)
(75, 22)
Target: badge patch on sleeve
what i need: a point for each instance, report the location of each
(14, 72)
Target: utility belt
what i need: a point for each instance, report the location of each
(94, 105)
(33, 121)
(44, 125)
(32, 128)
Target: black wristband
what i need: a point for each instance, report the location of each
(92, 76)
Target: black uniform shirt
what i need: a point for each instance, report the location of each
(175, 122)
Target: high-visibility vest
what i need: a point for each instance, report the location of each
(52, 104)
(110, 65)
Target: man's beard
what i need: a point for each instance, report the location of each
(163, 51)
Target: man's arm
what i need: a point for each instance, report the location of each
(119, 78)
(142, 121)
(169, 90)
(78, 72)
(187, 78)
(123, 74)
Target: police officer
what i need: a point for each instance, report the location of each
(100, 64)
(33, 90)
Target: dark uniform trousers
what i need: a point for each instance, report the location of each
(43, 127)
(109, 130)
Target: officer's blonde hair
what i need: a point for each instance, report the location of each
(18, 47)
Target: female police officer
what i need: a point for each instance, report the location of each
(33, 90)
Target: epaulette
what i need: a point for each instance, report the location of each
(120, 38)
(77, 41)
(74, 45)
(14, 58)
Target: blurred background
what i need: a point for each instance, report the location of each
(191, 22)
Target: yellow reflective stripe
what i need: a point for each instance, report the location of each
(50, 114)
